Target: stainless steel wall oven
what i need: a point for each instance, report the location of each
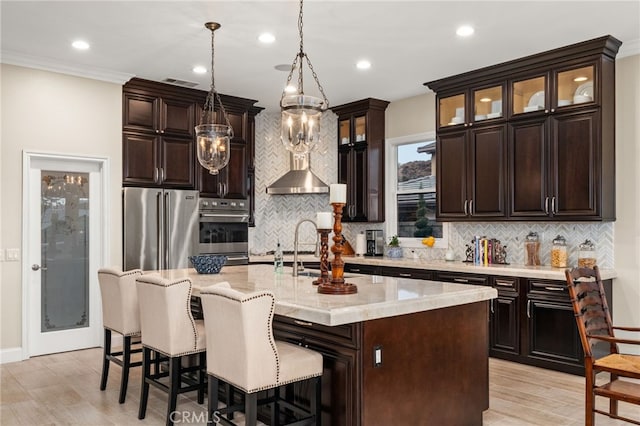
(224, 229)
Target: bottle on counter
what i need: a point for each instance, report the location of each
(559, 252)
(532, 249)
(278, 261)
(587, 255)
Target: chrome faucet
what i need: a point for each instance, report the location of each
(295, 244)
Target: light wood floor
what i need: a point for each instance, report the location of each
(64, 389)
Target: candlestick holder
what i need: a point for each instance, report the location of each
(337, 285)
(324, 257)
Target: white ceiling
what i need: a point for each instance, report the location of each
(407, 42)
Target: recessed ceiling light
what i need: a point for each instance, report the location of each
(80, 45)
(266, 38)
(465, 30)
(363, 64)
(199, 69)
(578, 79)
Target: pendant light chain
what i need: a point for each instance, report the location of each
(299, 57)
(213, 95)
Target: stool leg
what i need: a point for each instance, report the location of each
(251, 409)
(105, 359)
(212, 399)
(230, 399)
(201, 373)
(144, 388)
(174, 386)
(316, 402)
(126, 363)
(275, 408)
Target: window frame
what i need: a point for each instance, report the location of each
(391, 191)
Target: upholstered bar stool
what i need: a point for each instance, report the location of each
(243, 353)
(120, 313)
(169, 329)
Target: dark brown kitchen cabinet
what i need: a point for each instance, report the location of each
(558, 107)
(158, 114)
(363, 269)
(472, 173)
(554, 166)
(340, 349)
(361, 133)
(504, 318)
(157, 161)
(230, 182)
(413, 273)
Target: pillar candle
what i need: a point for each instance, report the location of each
(324, 220)
(338, 193)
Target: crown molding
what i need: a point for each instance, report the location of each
(45, 64)
(629, 48)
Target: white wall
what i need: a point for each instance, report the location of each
(56, 113)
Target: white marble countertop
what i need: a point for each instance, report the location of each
(377, 297)
(513, 270)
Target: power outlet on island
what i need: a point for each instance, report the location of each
(377, 356)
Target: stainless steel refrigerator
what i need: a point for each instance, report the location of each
(160, 228)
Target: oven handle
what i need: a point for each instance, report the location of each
(230, 217)
(238, 258)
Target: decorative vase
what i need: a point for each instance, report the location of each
(394, 252)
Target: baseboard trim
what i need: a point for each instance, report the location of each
(10, 355)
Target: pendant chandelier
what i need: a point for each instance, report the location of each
(213, 139)
(300, 127)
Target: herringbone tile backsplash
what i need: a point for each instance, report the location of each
(277, 215)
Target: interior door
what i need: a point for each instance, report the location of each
(64, 237)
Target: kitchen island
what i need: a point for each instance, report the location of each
(398, 351)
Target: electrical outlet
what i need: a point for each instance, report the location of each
(377, 356)
(13, 255)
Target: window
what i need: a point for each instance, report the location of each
(411, 190)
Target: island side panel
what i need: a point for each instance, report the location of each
(434, 370)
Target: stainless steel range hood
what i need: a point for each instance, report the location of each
(299, 180)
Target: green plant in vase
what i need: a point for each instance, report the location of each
(394, 250)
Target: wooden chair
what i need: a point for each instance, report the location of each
(120, 313)
(594, 324)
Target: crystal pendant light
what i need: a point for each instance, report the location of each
(213, 139)
(300, 127)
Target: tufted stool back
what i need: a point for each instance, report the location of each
(120, 310)
(245, 351)
(165, 316)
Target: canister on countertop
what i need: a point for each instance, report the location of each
(559, 252)
(532, 249)
(587, 255)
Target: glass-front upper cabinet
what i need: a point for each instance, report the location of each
(360, 128)
(528, 95)
(575, 86)
(487, 103)
(451, 110)
(344, 132)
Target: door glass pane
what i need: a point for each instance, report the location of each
(345, 132)
(528, 95)
(487, 103)
(452, 110)
(65, 250)
(361, 128)
(416, 199)
(575, 86)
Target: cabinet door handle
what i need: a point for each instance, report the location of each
(471, 208)
(529, 308)
(503, 283)
(303, 323)
(354, 270)
(546, 205)
(155, 175)
(162, 176)
(553, 205)
(461, 280)
(465, 206)
(405, 275)
(554, 288)
(492, 311)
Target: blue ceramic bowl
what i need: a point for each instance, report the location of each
(208, 263)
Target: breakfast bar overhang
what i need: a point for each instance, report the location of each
(398, 351)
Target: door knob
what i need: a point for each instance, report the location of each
(35, 267)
